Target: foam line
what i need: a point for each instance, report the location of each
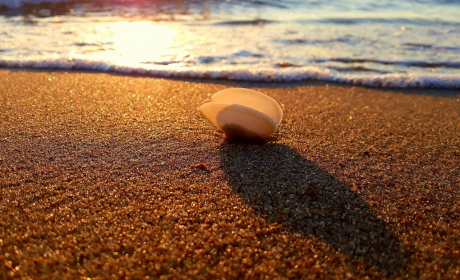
(242, 73)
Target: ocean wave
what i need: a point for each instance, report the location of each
(20, 3)
(422, 47)
(243, 73)
(246, 22)
(394, 20)
(405, 63)
(342, 39)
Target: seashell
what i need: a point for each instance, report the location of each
(243, 113)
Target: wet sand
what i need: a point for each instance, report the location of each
(106, 176)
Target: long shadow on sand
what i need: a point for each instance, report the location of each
(277, 182)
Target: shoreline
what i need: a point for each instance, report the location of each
(407, 81)
(106, 175)
(442, 92)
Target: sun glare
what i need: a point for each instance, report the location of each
(142, 41)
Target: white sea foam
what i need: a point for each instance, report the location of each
(243, 73)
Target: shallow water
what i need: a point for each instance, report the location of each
(413, 43)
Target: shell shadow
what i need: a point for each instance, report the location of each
(280, 184)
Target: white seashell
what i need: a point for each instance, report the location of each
(243, 113)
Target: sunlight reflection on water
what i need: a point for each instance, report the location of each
(142, 41)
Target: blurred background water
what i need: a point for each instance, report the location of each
(412, 43)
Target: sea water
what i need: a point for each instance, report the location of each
(407, 43)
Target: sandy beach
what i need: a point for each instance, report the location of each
(119, 177)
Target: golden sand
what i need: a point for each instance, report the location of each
(105, 176)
